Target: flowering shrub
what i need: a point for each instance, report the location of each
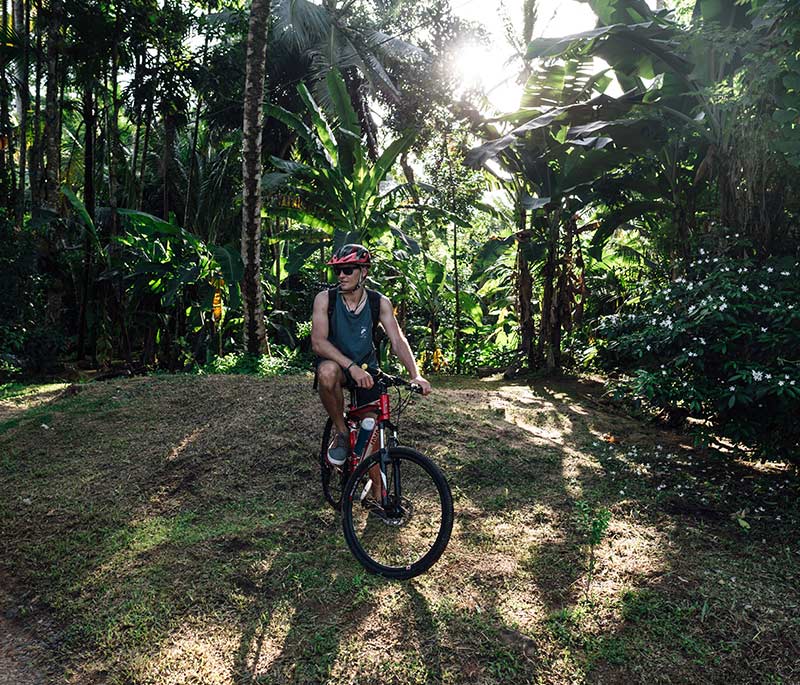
(721, 343)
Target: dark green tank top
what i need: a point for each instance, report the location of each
(352, 334)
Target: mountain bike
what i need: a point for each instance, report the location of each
(402, 533)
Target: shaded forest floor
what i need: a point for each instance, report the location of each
(171, 530)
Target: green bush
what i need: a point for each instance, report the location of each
(721, 343)
(28, 342)
(282, 362)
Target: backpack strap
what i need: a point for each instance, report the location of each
(374, 298)
(332, 292)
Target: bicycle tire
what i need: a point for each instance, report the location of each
(410, 540)
(333, 478)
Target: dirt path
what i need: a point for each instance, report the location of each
(19, 650)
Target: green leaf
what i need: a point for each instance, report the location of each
(434, 273)
(86, 220)
(785, 116)
(491, 251)
(230, 263)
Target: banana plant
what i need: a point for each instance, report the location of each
(331, 187)
(174, 281)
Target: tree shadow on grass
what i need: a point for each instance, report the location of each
(152, 529)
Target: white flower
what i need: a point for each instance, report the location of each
(732, 388)
(784, 273)
(769, 269)
(757, 375)
(763, 329)
(763, 287)
(780, 382)
(723, 307)
(745, 288)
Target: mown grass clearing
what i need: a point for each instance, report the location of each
(171, 530)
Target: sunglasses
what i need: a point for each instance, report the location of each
(346, 270)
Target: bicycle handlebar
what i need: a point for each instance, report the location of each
(392, 380)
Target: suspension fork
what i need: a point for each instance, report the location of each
(383, 453)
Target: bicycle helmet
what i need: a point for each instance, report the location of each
(351, 254)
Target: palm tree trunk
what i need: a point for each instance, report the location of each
(137, 118)
(548, 322)
(186, 222)
(51, 109)
(89, 202)
(6, 157)
(113, 132)
(256, 62)
(147, 124)
(22, 16)
(36, 144)
(525, 296)
(170, 133)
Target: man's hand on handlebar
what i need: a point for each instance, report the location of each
(423, 384)
(361, 378)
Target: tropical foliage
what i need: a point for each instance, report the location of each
(542, 239)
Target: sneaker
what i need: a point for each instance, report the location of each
(339, 447)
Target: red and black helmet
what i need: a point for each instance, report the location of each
(351, 253)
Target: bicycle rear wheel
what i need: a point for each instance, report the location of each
(410, 534)
(333, 477)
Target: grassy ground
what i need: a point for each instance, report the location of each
(171, 530)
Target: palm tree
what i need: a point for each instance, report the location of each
(330, 36)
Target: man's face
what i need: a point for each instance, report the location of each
(348, 281)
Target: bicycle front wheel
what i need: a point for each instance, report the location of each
(409, 535)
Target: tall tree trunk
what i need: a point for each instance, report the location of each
(137, 118)
(147, 126)
(22, 17)
(525, 294)
(113, 132)
(36, 144)
(457, 324)
(358, 98)
(52, 110)
(452, 208)
(186, 221)
(545, 343)
(256, 61)
(170, 133)
(148, 123)
(6, 157)
(89, 120)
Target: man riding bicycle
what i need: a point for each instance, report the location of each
(342, 339)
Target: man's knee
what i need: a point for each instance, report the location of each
(329, 375)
